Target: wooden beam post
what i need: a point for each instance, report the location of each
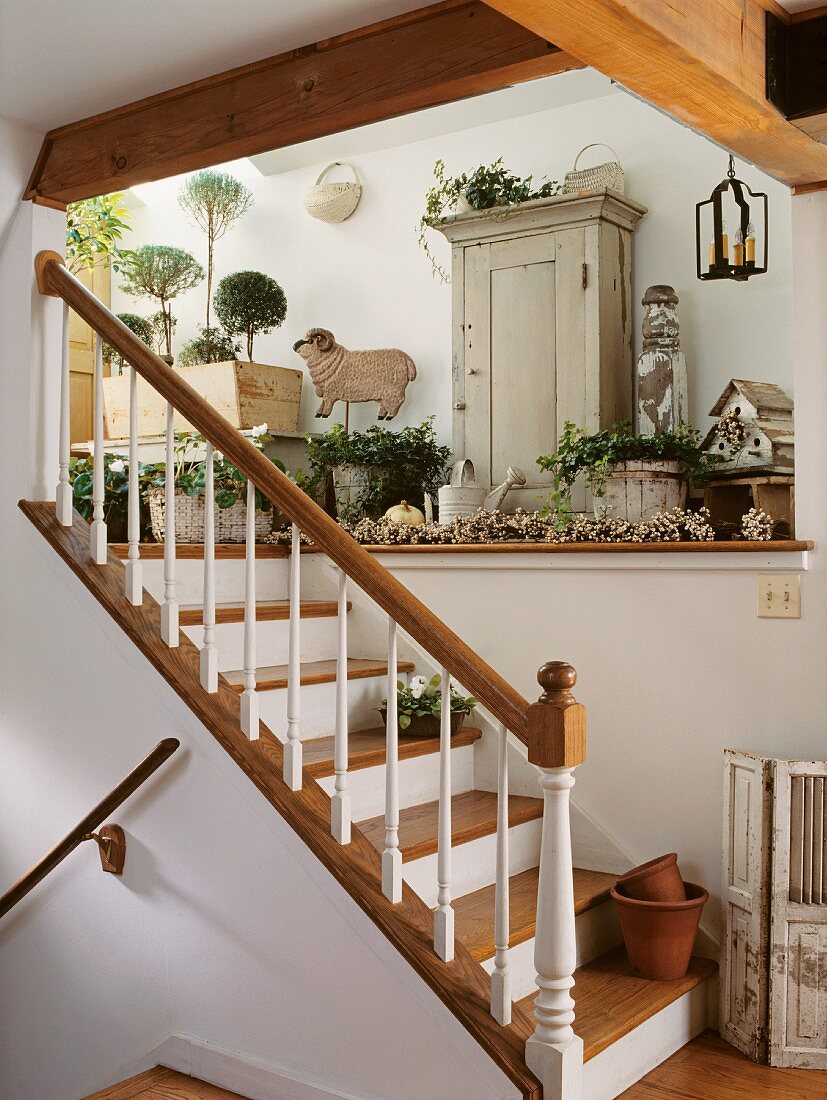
(700, 61)
(434, 55)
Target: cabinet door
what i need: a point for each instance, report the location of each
(511, 331)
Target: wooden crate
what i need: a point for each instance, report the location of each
(246, 394)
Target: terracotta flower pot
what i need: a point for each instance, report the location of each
(660, 935)
(657, 880)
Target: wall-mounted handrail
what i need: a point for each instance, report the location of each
(450, 651)
(162, 752)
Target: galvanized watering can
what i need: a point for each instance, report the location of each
(462, 496)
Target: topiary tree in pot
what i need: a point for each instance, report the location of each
(249, 302)
(214, 200)
(141, 326)
(161, 272)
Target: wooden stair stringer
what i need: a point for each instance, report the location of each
(462, 985)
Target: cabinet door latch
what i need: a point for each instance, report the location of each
(459, 405)
(585, 275)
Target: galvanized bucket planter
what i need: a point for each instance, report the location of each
(641, 489)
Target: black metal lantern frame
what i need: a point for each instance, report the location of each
(720, 265)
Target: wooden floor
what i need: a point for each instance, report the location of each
(164, 1084)
(710, 1069)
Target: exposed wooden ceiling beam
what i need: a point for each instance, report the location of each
(434, 55)
(700, 61)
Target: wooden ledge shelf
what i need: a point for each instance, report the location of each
(153, 550)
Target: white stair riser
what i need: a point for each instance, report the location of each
(418, 782)
(597, 930)
(617, 1068)
(473, 865)
(318, 641)
(271, 579)
(318, 707)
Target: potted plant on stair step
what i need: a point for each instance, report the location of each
(419, 707)
(631, 477)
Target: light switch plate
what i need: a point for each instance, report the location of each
(779, 596)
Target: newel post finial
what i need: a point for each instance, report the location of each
(556, 722)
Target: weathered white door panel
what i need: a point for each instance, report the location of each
(746, 876)
(798, 919)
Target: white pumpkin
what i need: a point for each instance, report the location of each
(405, 513)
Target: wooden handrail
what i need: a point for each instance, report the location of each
(162, 751)
(502, 700)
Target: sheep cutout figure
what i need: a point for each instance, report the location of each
(338, 374)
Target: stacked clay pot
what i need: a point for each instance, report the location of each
(659, 917)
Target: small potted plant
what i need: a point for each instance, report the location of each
(419, 707)
(116, 492)
(488, 187)
(211, 345)
(631, 477)
(373, 470)
(230, 487)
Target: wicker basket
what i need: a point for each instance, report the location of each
(609, 175)
(230, 523)
(333, 202)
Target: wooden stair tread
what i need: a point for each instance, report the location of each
(274, 677)
(366, 749)
(610, 1000)
(473, 814)
(266, 611)
(164, 1084)
(474, 913)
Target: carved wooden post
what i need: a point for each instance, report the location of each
(556, 744)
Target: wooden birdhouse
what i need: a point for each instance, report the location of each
(754, 431)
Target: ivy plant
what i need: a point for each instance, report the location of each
(485, 188)
(577, 452)
(398, 465)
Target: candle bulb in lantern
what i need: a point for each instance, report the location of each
(750, 243)
(738, 249)
(725, 241)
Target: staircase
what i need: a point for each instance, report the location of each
(473, 885)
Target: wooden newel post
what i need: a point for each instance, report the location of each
(556, 744)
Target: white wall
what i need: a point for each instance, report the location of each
(367, 280)
(18, 149)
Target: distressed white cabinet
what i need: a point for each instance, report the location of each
(774, 966)
(542, 329)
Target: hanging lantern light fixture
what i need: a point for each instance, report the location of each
(745, 254)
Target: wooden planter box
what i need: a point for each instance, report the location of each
(246, 394)
(639, 490)
(427, 725)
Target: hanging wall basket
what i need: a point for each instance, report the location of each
(608, 175)
(333, 202)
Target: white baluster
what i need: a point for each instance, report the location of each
(501, 977)
(293, 748)
(392, 856)
(340, 803)
(249, 699)
(209, 651)
(444, 912)
(557, 733)
(169, 608)
(63, 494)
(134, 580)
(97, 529)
